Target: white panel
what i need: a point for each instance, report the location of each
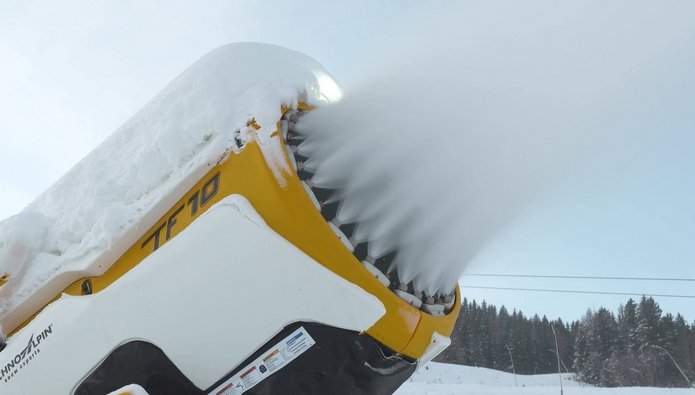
(208, 298)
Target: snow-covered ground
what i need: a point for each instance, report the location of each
(444, 379)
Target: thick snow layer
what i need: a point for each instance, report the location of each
(445, 379)
(103, 204)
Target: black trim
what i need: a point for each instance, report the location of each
(341, 362)
(137, 362)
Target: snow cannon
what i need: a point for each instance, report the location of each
(226, 273)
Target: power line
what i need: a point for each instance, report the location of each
(579, 277)
(581, 292)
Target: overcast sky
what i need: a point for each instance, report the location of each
(71, 73)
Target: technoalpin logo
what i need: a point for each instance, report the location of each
(24, 357)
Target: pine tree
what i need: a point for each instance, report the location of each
(648, 316)
(681, 346)
(565, 344)
(601, 345)
(623, 364)
(500, 336)
(581, 349)
(648, 335)
(627, 325)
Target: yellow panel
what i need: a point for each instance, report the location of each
(290, 212)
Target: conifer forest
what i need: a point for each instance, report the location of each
(638, 346)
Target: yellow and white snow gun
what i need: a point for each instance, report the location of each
(243, 286)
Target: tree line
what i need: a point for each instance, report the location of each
(636, 347)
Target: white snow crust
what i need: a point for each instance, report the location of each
(104, 204)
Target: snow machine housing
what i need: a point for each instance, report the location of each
(243, 286)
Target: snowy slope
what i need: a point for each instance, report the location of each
(444, 379)
(102, 205)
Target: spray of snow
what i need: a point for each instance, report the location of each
(103, 204)
(452, 137)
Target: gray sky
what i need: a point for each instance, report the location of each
(71, 73)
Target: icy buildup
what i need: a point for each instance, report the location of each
(103, 204)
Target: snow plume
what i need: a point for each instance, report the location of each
(452, 137)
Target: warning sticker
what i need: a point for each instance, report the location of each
(268, 363)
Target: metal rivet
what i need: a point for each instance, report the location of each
(87, 287)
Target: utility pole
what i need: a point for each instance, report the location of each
(512, 359)
(557, 352)
(675, 363)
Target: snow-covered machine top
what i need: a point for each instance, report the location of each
(109, 199)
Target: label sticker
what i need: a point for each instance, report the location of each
(268, 363)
